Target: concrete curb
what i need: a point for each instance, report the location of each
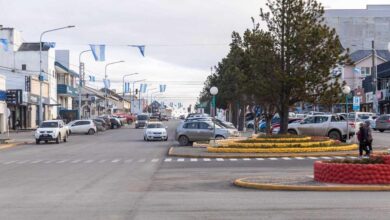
(172, 154)
(267, 186)
(6, 146)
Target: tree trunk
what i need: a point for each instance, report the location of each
(283, 114)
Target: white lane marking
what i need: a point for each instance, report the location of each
(220, 159)
(128, 161)
(36, 161)
(180, 160)
(23, 161)
(88, 161)
(168, 160)
(102, 161)
(194, 159)
(273, 158)
(286, 158)
(233, 159)
(154, 160)
(61, 161)
(10, 162)
(207, 159)
(246, 159)
(299, 158)
(259, 158)
(337, 157)
(115, 160)
(313, 158)
(75, 161)
(141, 160)
(49, 161)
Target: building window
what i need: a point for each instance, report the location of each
(24, 67)
(365, 71)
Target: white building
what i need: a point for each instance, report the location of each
(3, 106)
(20, 66)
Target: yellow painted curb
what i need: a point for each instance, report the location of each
(283, 150)
(232, 144)
(319, 154)
(6, 146)
(268, 186)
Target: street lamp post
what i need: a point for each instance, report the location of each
(346, 91)
(214, 92)
(40, 116)
(81, 78)
(105, 87)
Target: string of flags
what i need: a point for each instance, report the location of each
(141, 49)
(49, 44)
(92, 78)
(163, 88)
(127, 87)
(142, 88)
(4, 43)
(98, 51)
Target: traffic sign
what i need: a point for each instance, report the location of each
(356, 103)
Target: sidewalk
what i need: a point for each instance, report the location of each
(21, 136)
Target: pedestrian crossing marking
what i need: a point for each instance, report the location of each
(155, 160)
(247, 159)
(168, 160)
(193, 159)
(286, 158)
(233, 159)
(206, 159)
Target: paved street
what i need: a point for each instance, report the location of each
(116, 175)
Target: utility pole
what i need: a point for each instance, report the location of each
(374, 79)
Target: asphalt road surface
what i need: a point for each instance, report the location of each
(116, 175)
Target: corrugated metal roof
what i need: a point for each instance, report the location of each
(33, 47)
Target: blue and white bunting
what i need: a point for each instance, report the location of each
(163, 88)
(98, 51)
(127, 87)
(141, 49)
(92, 78)
(107, 83)
(357, 70)
(142, 88)
(49, 44)
(4, 43)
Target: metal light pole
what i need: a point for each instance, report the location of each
(40, 116)
(214, 92)
(346, 91)
(81, 78)
(374, 78)
(105, 87)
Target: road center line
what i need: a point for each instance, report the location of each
(168, 160)
(115, 160)
(154, 160)
(193, 159)
(62, 161)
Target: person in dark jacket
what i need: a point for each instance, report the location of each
(369, 136)
(362, 136)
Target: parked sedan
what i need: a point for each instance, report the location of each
(100, 124)
(82, 127)
(191, 131)
(115, 123)
(155, 131)
(383, 123)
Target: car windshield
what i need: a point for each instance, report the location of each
(51, 124)
(142, 117)
(154, 125)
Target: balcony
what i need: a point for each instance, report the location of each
(66, 90)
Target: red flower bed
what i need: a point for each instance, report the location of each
(352, 173)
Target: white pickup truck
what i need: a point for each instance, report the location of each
(332, 126)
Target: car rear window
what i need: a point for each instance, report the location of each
(142, 117)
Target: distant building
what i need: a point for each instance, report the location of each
(358, 27)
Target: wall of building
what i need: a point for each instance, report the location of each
(358, 27)
(3, 107)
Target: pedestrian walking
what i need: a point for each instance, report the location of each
(17, 126)
(369, 136)
(362, 136)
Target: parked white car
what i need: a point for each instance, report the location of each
(155, 131)
(51, 130)
(82, 127)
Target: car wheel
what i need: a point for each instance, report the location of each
(219, 137)
(91, 131)
(58, 139)
(335, 135)
(381, 130)
(183, 140)
(166, 139)
(37, 141)
(293, 132)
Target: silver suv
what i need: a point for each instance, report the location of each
(188, 132)
(331, 126)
